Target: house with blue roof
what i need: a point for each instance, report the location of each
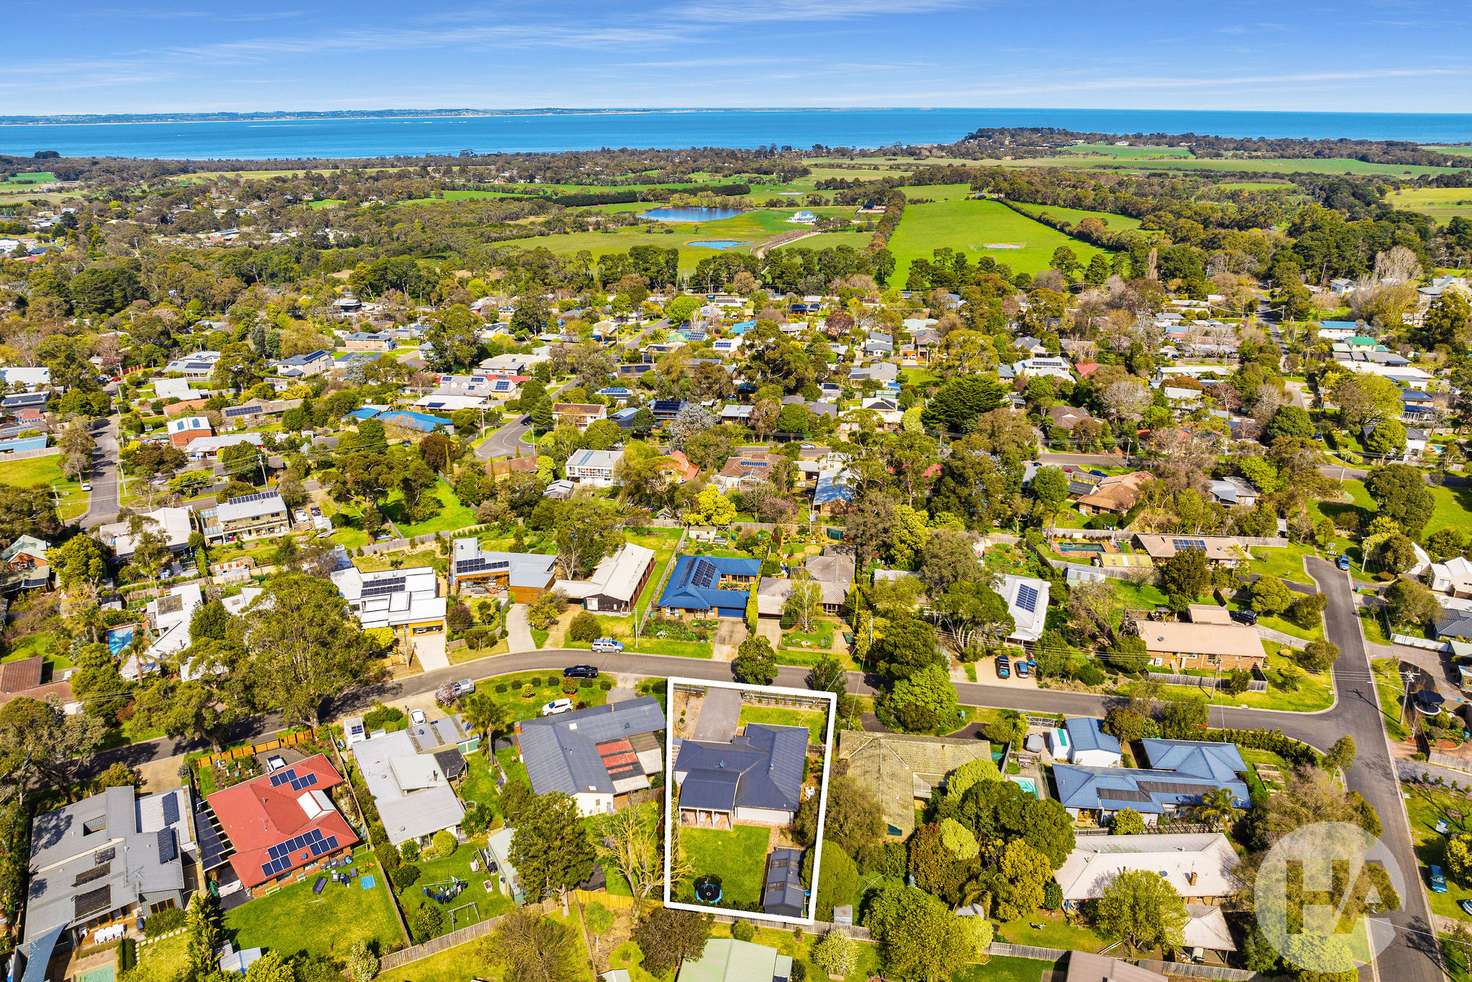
(756, 777)
(1082, 741)
(833, 492)
(1176, 776)
(704, 585)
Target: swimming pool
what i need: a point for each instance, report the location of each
(716, 244)
(102, 973)
(690, 214)
(119, 638)
(1089, 547)
(1025, 783)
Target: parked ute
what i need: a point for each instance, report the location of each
(608, 646)
(464, 687)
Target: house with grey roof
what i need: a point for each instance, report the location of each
(523, 575)
(782, 889)
(411, 789)
(756, 777)
(596, 755)
(105, 858)
(1176, 775)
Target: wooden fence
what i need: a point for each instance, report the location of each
(395, 959)
(250, 750)
(1203, 682)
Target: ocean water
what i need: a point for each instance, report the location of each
(533, 131)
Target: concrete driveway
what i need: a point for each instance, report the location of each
(720, 713)
(518, 629)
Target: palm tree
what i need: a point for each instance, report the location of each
(1217, 809)
(487, 717)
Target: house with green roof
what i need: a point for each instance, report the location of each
(729, 960)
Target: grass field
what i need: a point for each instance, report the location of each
(1254, 186)
(34, 472)
(28, 178)
(858, 241)
(1453, 507)
(978, 228)
(488, 903)
(1129, 152)
(452, 515)
(937, 192)
(1230, 165)
(750, 228)
(294, 919)
(737, 856)
(1441, 204)
(474, 959)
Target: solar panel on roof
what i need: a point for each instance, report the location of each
(1182, 544)
(304, 781)
(703, 574)
(282, 777)
(171, 807)
(93, 902)
(1027, 598)
(258, 496)
(168, 846)
(377, 588)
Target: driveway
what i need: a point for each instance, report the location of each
(518, 630)
(720, 712)
(729, 634)
(430, 650)
(102, 503)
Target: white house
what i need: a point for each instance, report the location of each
(1453, 577)
(1027, 602)
(595, 468)
(1199, 865)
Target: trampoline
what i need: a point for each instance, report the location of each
(708, 889)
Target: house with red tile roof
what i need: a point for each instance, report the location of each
(281, 824)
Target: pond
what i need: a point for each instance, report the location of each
(690, 214)
(716, 244)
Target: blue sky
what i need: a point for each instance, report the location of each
(143, 56)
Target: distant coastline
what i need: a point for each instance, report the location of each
(371, 134)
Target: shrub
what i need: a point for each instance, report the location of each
(381, 716)
(405, 876)
(584, 627)
(528, 690)
(605, 684)
(428, 921)
(442, 846)
(1089, 673)
(163, 921)
(1052, 895)
(743, 931)
(409, 850)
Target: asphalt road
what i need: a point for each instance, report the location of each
(506, 441)
(102, 502)
(1356, 712)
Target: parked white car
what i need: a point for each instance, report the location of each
(557, 707)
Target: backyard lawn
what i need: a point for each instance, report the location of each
(816, 721)
(294, 919)
(470, 960)
(452, 515)
(1286, 562)
(475, 903)
(1004, 968)
(737, 856)
(34, 472)
(1425, 807)
(1052, 931)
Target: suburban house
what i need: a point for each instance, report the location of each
(833, 493)
(1201, 866)
(168, 616)
(1027, 602)
(117, 854)
(1176, 775)
(253, 516)
(306, 365)
(1081, 740)
(746, 469)
(1210, 645)
(28, 677)
(199, 365)
(209, 447)
(1233, 491)
(902, 770)
(280, 825)
(1113, 495)
(782, 890)
(594, 468)
(579, 415)
(24, 566)
(186, 428)
(410, 789)
(615, 583)
(709, 585)
(406, 602)
(1066, 418)
(729, 960)
(174, 524)
(368, 341)
(1084, 966)
(523, 575)
(1453, 577)
(756, 777)
(599, 756)
(832, 572)
(1223, 550)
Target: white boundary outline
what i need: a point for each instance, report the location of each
(669, 784)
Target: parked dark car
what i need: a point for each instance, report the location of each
(1004, 667)
(1248, 617)
(580, 672)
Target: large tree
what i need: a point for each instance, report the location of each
(1400, 492)
(1142, 911)
(535, 948)
(669, 937)
(303, 646)
(551, 850)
